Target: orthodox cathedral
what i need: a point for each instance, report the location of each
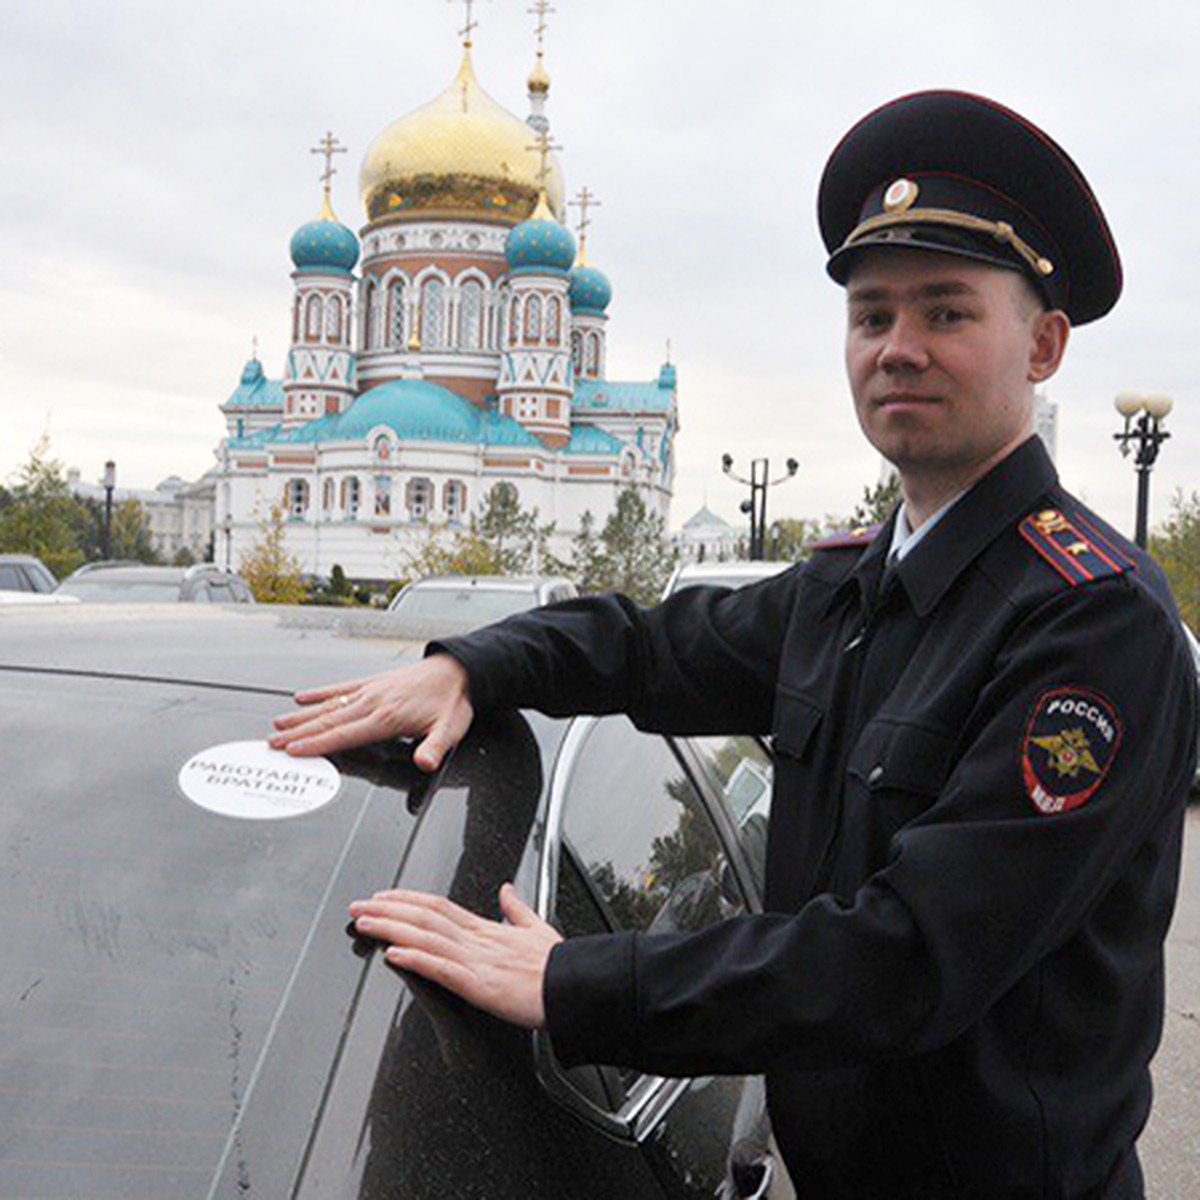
(467, 353)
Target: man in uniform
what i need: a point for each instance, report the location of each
(982, 721)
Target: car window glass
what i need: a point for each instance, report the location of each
(11, 579)
(633, 819)
(741, 771)
(220, 592)
(201, 593)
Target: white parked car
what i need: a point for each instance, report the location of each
(458, 602)
(721, 574)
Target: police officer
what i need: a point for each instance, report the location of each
(982, 720)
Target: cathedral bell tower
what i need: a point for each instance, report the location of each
(319, 378)
(534, 386)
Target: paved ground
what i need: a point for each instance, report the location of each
(1170, 1147)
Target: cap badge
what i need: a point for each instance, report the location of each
(900, 196)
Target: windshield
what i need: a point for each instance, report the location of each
(149, 943)
(465, 604)
(120, 591)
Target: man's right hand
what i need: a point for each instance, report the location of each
(428, 700)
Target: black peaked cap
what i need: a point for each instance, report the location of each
(960, 174)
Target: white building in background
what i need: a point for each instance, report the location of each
(468, 353)
(706, 537)
(1045, 423)
(178, 515)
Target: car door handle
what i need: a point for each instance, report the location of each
(752, 1177)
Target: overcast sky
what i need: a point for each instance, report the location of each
(157, 161)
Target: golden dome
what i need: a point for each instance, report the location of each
(539, 77)
(461, 155)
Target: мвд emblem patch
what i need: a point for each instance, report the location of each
(1069, 746)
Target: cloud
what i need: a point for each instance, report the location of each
(159, 161)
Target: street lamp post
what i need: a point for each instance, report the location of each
(756, 506)
(1144, 434)
(110, 482)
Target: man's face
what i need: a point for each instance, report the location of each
(941, 355)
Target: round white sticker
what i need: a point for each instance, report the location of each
(251, 781)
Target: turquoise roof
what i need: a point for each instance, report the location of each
(413, 409)
(324, 245)
(424, 412)
(605, 395)
(256, 390)
(539, 244)
(591, 439)
(590, 291)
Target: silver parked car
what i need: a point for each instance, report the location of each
(461, 602)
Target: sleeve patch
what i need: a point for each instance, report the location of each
(1070, 745)
(1079, 555)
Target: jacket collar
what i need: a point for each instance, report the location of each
(991, 506)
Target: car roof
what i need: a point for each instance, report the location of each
(498, 583)
(278, 648)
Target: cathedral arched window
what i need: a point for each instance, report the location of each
(592, 366)
(383, 496)
(533, 319)
(327, 496)
(470, 315)
(418, 498)
(514, 321)
(454, 499)
(577, 351)
(433, 314)
(296, 498)
(370, 316)
(553, 321)
(296, 319)
(351, 491)
(333, 319)
(312, 318)
(396, 314)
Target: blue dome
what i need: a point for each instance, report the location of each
(324, 245)
(540, 244)
(414, 410)
(252, 373)
(590, 291)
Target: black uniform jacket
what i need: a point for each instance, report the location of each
(981, 772)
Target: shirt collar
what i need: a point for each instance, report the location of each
(905, 539)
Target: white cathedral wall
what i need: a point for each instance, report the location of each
(380, 548)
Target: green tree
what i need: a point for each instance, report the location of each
(272, 573)
(41, 516)
(792, 538)
(877, 502)
(502, 539)
(1175, 545)
(635, 556)
(588, 564)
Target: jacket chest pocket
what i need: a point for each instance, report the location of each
(895, 772)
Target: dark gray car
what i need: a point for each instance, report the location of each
(185, 1014)
(124, 583)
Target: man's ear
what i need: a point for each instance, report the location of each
(1051, 331)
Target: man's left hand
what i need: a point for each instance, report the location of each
(498, 966)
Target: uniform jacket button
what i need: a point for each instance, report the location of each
(876, 773)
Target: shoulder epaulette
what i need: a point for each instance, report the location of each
(849, 539)
(1073, 546)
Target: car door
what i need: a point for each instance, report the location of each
(634, 842)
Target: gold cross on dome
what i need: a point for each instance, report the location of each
(540, 9)
(543, 147)
(465, 31)
(584, 201)
(328, 146)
